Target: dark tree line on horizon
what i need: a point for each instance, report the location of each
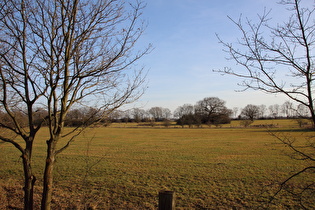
(210, 110)
(285, 110)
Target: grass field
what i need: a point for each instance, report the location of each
(124, 167)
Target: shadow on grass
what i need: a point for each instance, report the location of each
(286, 130)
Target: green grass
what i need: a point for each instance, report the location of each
(124, 168)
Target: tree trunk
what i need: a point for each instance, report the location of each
(29, 182)
(313, 119)
(48, 177)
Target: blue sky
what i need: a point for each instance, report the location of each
(187, 50)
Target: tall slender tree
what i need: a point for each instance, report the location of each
(59, 53)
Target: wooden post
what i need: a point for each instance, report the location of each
(166, 200)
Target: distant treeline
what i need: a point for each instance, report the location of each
(210, 110)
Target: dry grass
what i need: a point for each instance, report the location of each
(124, 168)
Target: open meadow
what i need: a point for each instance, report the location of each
(124, 166)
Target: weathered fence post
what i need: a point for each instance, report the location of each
(166, 200)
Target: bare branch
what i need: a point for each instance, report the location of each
(282, 185)
(276, 59)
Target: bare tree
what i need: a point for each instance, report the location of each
(186, 109)
(277, 59)
(274, 110)
(56, 54)
(235, 111)
(250, 112)
(166, 113)
(156, 113)
(262, 110)
(138, 114)
(116, 115)
(210, 105)
(213, 110)
(302, 111)
(160, 113)
(185, 115)
(288, 109)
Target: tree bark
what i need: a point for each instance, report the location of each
(48, 176)
(29, 182)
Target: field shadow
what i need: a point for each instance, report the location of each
(286, 130)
